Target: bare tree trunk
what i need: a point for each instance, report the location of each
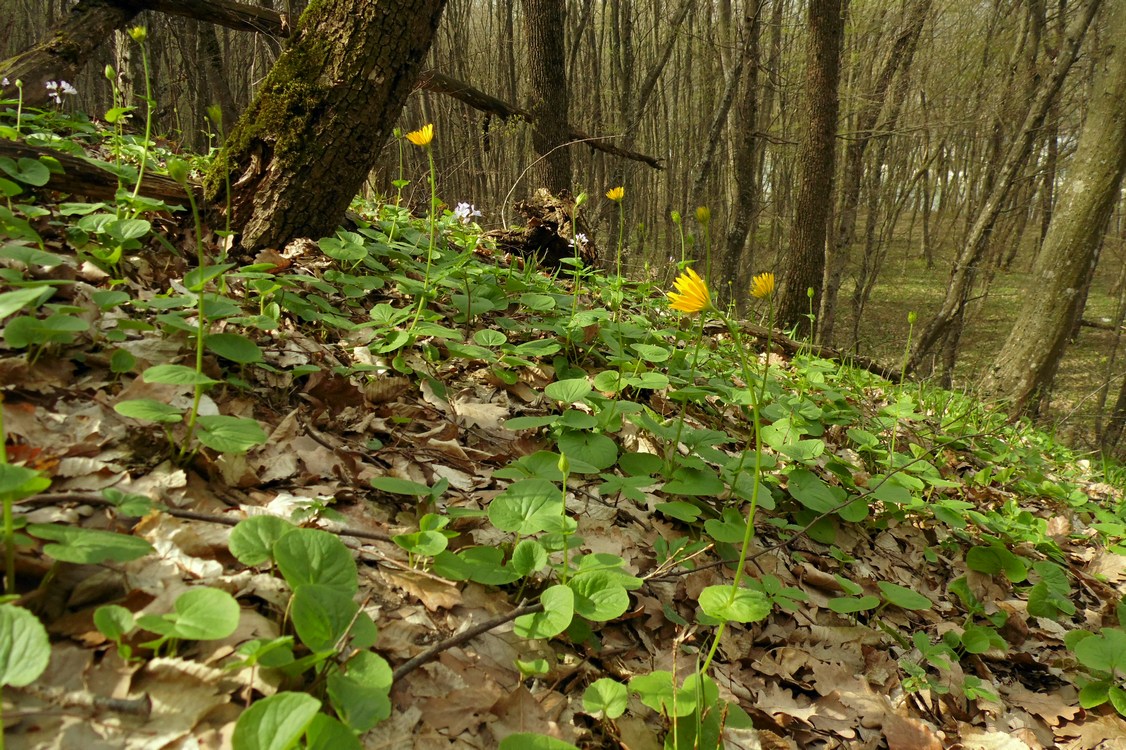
(965, 267)
(302, 150)
(803, 262)
(737, 264)
(543, 30)
(898, 58)
(1027, 363)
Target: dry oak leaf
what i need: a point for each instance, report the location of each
(904, 733)
(1053, 707)
(433, 592)
(1096, 733)
(977, 739)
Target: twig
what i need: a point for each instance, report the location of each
(464, 637)
(92, 498)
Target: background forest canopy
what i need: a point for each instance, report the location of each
(954, 130)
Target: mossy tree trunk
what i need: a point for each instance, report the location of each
(1026, 364)
(301, 152)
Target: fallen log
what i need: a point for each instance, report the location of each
(88, 179)
(791, 346)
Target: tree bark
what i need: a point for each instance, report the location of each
(803, 262)
(64, 51)
(543, 31)
(300, 153)
(1027, 362)
(737, 263)
(898, 57)
(965, 267)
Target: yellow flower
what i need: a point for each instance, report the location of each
(762, 286)
(616, 194)
(422, 136)
(691, 295)
(703, 214)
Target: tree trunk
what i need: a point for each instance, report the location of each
(965, 267)
(300, 153)
(898, 57)
(543, 31)
(1028, 361)
(64, 50)
(804, 259)
(737, 266)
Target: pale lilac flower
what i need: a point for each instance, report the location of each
(4, 82)
(465, 212)
(580, 238)
(57, 90)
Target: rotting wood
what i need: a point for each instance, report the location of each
(791, 346)
(86, 178)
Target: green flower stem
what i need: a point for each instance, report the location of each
(576, 276)
(749, 530)
(9, 523)
(430, 246)
(201, 324)
(148, 127)
(564, 469)
(19, 106)
(684, 403)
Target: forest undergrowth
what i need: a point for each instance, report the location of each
(395, 488)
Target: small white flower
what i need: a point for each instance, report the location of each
(580, 238)
(53, 92)
(4, 82)
(465, 212)
(67, 89)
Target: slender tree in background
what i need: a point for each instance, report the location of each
(543, 30)
(897, 58)
(300, 153)
(736, 263)
(1025, 366)
(949, 319)
(803, 260)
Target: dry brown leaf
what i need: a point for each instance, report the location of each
(435, 593)
(904, 733)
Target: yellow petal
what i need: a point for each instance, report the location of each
(422, 136)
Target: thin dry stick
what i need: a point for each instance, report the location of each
(92, 498)
(417, 661)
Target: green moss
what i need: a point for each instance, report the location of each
(280, 115)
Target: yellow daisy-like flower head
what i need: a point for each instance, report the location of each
(422, 136)
(762, 286)
(616, 194)
(703, 214)
(691, 295)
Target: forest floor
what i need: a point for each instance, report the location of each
(908, 284)
(346, 497)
